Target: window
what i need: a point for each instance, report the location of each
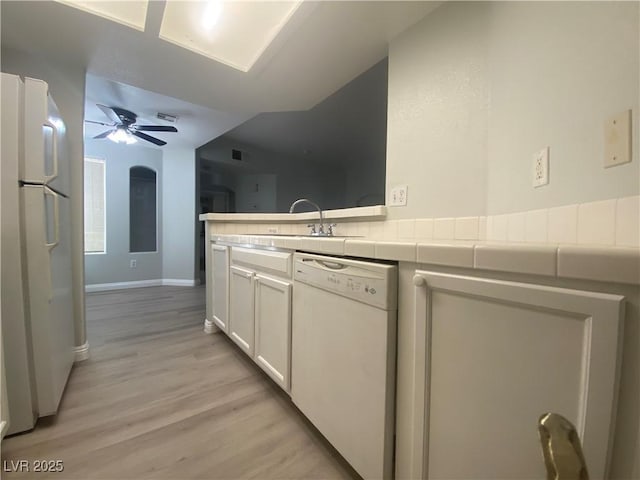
(142, 210)
(94, 206)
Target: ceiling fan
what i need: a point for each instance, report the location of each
(124, 127)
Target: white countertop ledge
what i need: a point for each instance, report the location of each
(605, 264)
(375, 212)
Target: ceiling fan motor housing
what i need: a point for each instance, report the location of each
(125, 116)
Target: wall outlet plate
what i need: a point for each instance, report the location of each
(541, 167)
(617, 139)
(398, 196)
(133, 263)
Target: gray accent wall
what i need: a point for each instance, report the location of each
(284, 178)
(179, 213)
(173, 262)
(114, 265)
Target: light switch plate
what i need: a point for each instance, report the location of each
(541, 167)
(398, 196)
(617, 139)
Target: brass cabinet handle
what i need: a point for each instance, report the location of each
(561, 448)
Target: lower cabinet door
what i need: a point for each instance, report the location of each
(241, 306)
(220, 293)
(492, 357)
(273, 328)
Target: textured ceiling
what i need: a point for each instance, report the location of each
(324, 46)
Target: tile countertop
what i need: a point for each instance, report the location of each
(375, 212)
(606, 264)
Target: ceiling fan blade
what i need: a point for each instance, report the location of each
(99, 123)
(108, 111)
(155, 128)
(103, 134)
(149, 138)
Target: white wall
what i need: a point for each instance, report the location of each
(113, 266)
(66, 84)
(437, 113)
(476, 88)
(558, 70)
(179, 213)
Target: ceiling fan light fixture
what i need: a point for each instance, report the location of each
(120, 135)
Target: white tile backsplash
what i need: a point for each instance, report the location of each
(482, 228)
(515, 227)
(362, 229)
(424, 228)
(376, 230)
(444, 228)
(390, 230)
(343, 228)
(628, 221)
(562, 226)
(535, 224)
(597, 223)
(497, 228)
(605, 223)
(466, 228)
(406, 229)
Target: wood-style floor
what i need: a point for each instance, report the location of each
(159, 399)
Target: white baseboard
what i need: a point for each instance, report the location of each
(103, 287)
(82, 352)
(177, 282)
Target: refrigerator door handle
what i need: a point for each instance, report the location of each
(56, 220)
(54, 151)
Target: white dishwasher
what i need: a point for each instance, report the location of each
(343, 356)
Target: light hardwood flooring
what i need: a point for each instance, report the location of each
(159, 399)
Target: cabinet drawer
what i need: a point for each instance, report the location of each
(277, 262)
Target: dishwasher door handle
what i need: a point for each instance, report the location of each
(332, 265)
(327, 265)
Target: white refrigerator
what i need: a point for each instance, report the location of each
(37, 297)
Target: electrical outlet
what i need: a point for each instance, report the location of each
(541, 167)
(133, 263)
(398, 196)
(272, 230)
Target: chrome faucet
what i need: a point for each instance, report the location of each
(320, 232)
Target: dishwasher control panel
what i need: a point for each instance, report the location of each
(371, 283)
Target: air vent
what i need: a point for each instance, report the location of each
(236, 154)
(167, 118)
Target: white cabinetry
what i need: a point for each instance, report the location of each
(219, 292)
(260, 309)
(491, 356)
(242, 325)
(273, 328)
